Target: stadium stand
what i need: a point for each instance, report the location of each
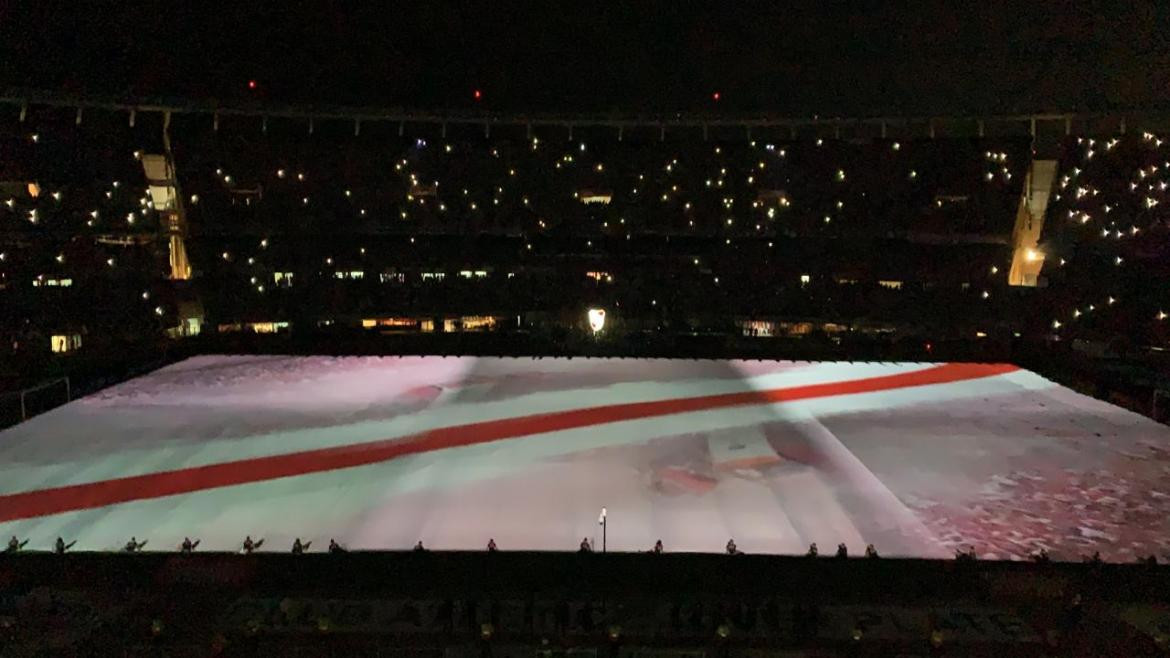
(488, 604)
(397, 238)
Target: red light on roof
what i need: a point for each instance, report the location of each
(478, 94)
(715, 97)
(251, 84)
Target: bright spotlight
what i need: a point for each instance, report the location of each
(596, 319)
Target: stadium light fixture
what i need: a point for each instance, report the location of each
(596, 319)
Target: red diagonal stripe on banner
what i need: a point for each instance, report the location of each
(55, 500)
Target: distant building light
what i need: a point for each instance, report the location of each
(52, 283)
(62, 343)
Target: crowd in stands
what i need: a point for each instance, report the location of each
(79, 246)
(296, 225)
(1108, 234)
(664, 231)
(553, 185)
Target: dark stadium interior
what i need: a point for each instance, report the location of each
(787, 182)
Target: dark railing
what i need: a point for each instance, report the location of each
(1134, 119)
(77, 375)
(18, 406)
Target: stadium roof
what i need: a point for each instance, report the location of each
(795, 59)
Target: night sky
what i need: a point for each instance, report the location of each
(804, 58)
